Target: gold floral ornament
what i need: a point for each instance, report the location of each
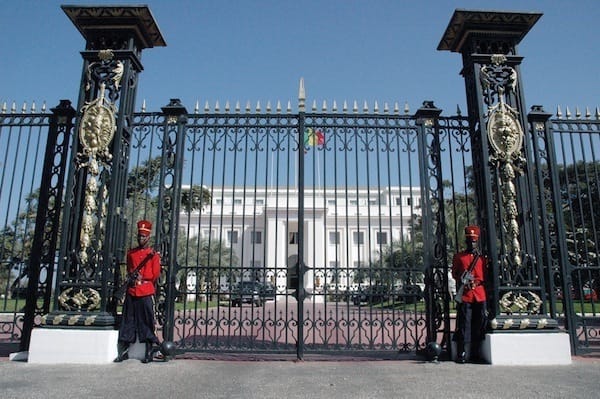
(78, 299)
(505, 136)
(96, 132)
(504, 131)
(98, 126)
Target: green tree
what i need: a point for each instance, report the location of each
(195, 198)
(579, 193)
(208, 259)
(144, 179)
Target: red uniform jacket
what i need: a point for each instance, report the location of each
(148, 274)
(460, 263)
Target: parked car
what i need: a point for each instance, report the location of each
(19, 280)
(252, 292)
(589, 294)
(267, 291)
(411, 293)
(371, 294)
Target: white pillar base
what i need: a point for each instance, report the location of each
(527, 349)
(78, 346)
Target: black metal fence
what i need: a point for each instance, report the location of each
(23, 136)
(336, 207)
(577, 142)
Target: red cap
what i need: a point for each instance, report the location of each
(144, 227)
(472, 232)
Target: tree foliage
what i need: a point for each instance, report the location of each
(195, 198)
(208, 259)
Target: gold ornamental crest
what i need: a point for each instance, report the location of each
(504, 131)
(97, 126)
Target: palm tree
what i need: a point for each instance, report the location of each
(195, 198)
(208, 259)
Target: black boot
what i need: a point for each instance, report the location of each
(122, 352)
(476, 353)
(149, 353)
(461, 355)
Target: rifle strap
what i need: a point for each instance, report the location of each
(473, 262)
(121, 289)
(470, 269)
(147, 258)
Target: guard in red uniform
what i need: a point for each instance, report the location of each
(468, 269)
(143, 269)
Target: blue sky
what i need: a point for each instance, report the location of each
(380, 50)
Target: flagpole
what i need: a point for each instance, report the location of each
(318, 171)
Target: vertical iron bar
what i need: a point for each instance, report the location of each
(48, 217)
(300, 292)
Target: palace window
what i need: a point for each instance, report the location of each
(256, 237)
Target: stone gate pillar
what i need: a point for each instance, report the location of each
(94, 224)
(507, 197)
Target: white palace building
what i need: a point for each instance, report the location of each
(343, 230)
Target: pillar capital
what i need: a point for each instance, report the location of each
(466, 25)
(116, 24)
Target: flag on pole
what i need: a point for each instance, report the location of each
(313, 138)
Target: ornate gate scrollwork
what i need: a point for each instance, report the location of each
(505, 136)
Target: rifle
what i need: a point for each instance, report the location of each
(466, 278)
(132, 277)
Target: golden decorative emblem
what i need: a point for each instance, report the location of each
(78, 299)
(97, 127)
(504, 131)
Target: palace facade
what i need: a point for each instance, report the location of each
(344, 230)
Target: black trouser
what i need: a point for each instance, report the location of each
(138, 320)
(470, 322)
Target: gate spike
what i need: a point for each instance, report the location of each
(345, 107)
(588, 115)
(568, 112)
(237, 107)
(44, 106)
(396, 108)
(197, 107)
(598, 113)
(206, 107)
(289, 107)
(301, 96)
(4, 107)
(258, 106)
(577, 113)
(334, 109)
(143, 107)
(458, 111)
(376, 108)
(217, 106)
(33, 107)
(227, 107)
(365, 107)
(248, 106)
(406, 108)
(314, 105)
(13, 109)
(24, 108)
(269, 107)
(324, 108)
(355, 107)
(386, 109)
(278, 107)
(558, 111)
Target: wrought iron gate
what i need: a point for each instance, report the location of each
(310, 231)
(298, 232)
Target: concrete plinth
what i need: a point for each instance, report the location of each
(527, 349)
(80, 346)
(77, 346)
